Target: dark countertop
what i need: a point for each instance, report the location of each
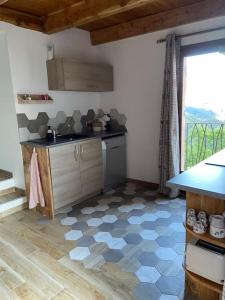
(61, 141)
(204, 178)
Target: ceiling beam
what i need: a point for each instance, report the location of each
(3, 1)
(191, 13)
(21, 19)
(91, 11)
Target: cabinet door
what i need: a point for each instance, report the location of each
(65, 171)
(81, 76)
(91, 166)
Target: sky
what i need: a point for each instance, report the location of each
(205, 85)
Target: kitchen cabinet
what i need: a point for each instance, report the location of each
(65, 172)
(91, 166)
(66, 74)
(69, 173)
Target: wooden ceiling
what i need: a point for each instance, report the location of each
(107, 20)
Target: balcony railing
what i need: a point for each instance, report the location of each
(202, 140)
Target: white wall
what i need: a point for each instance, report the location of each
(28, 53)
(9, 137)
(138, 71)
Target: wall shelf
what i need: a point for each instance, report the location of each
(207, 237)
(35, 99)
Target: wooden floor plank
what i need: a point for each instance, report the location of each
(11, 237)
(38, 281)
(109, 284)
(65, 295)
(80, 288)
(10, 278)
(24, 292)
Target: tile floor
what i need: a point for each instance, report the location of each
(137, 230)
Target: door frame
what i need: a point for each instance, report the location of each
(192, 50)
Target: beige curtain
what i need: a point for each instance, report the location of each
(169, 144)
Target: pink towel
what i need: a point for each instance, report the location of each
(36, 192)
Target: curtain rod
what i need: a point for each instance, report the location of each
(193, 33)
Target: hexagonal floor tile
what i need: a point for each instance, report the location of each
(106, 227)
(116, 199)
(170, 285)
(85, 241)
(130, 265)
(148, 274)
(80, 226)
(101, 207)
(149, 217)
(73, 235)
(103, 237)
(179, 248)
(79, 253)
(94, 222)
(178, 227)
(93, 261)
(112, 255)
(133, 238)
(166, 253)
(179, 237)
(121, 224)
(149, 235)
(116, 243)
(118, 232)
(163, 214)
(164, 230)
(138, 206)
(109, 219)
(104, 201)
(125, 208)
(146, 291)
(168, 268)
(148, 259)
(148, 225)
(69, 221)
(166, 241)
(168, 297)
(135, 220)
(161, 201)
(88, 210)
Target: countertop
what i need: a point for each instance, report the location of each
(204, 178)
(44, 144)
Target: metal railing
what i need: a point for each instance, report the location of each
(202, 140)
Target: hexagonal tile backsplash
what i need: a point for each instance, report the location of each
(139, 232)
(75, 123)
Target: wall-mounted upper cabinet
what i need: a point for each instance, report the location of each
(71, 75)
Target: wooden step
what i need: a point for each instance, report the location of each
(4, 175)
(12, 200)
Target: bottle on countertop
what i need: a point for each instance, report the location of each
(50, 134)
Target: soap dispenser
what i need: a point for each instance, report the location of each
(50, 135)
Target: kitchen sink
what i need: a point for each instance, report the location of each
(62, 139)
(75, 136)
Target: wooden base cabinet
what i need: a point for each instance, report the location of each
(69, 173)
(201, 287)
(65, 172)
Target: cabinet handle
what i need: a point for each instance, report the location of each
(82, 151)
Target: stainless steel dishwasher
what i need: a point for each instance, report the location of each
(114, 161)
